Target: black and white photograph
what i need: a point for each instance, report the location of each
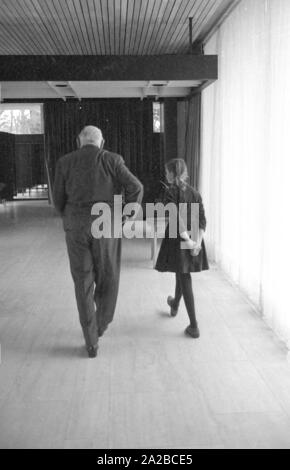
(144, 227)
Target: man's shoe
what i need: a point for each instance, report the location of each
(92, 351)
(173, 310)
(192, 331)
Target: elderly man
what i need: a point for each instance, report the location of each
(84, 177)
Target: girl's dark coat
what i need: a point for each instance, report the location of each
(171, 257)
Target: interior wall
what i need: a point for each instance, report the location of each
(245, 155)
(127, 126)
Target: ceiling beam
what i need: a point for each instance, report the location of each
(108, 68)
(200, 88)
(74, 91)
(56, 90)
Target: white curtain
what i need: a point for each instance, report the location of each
(245, 169)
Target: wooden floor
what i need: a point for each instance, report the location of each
(150, 386)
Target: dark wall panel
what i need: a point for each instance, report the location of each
(7, 165)
(29, 161)
(170, 128)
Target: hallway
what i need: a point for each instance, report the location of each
(150, 386)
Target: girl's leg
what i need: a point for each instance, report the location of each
(178, 291)
(186, 286)
(173, 302)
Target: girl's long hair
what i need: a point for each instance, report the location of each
(178, 168)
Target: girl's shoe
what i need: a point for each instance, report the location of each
(173, 310)
(92, 351)
(192, 331)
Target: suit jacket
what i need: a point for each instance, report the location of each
(91, 175)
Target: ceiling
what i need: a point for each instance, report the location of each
(103, 27)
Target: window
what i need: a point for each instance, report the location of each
(20, 118)
(158, 119)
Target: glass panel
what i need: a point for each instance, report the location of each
(21, 118)
(158, 117)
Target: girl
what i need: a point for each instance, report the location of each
(171, 256)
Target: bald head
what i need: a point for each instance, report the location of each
(91, 135)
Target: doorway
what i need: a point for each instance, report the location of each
(25, 122)
(31, 180)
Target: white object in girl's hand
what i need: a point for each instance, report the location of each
(188, 244)
(194, 247)
(196, 250)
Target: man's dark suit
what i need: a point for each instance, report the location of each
(84, 177)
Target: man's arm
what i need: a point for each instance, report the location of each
(59, 194)
(133, 187)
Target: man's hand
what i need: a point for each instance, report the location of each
(124, 219)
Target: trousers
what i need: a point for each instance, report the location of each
(95, 269)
